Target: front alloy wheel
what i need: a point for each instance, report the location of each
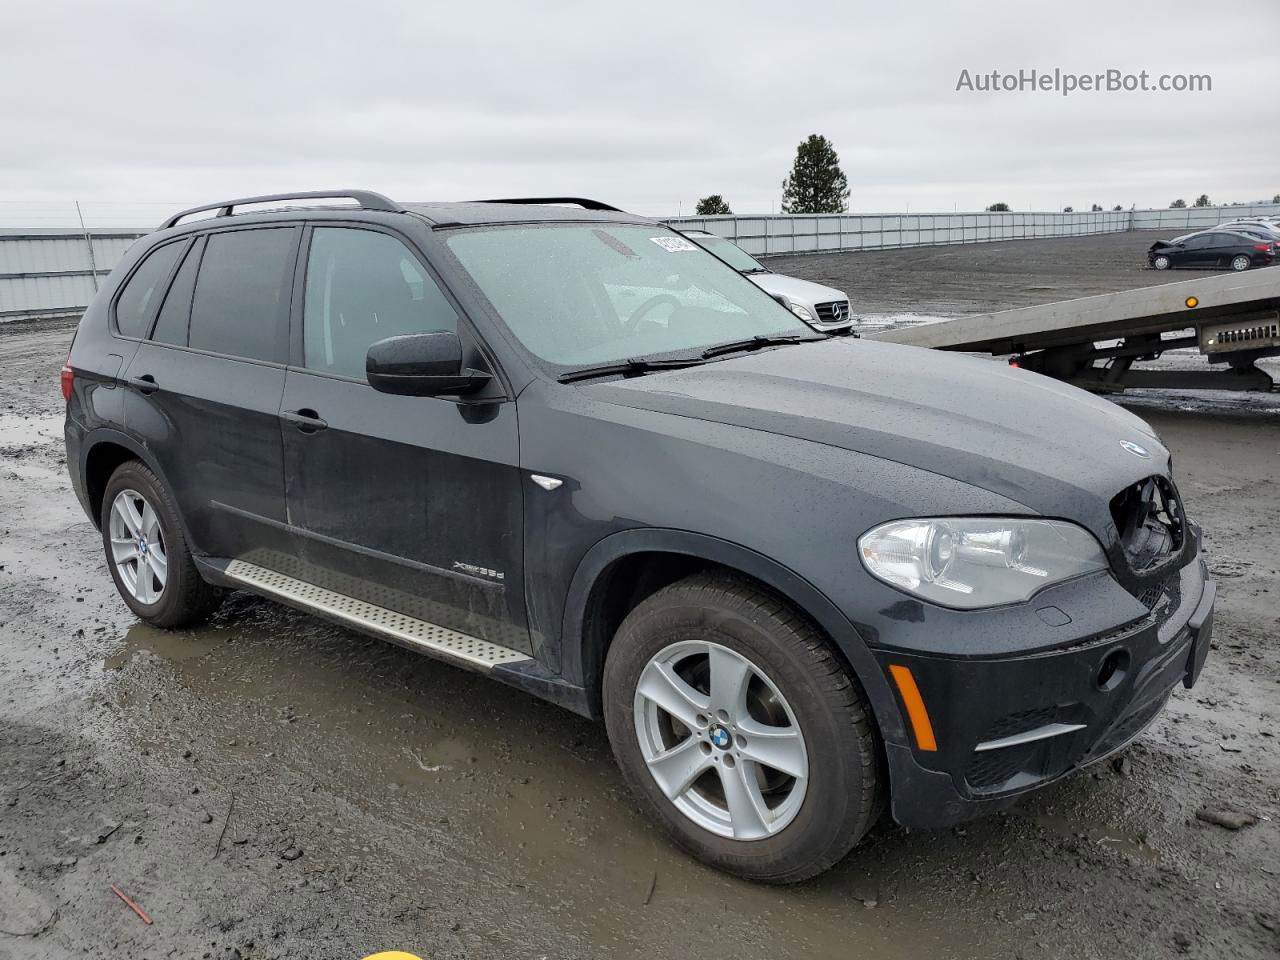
(1160, 263)
(137, 547)
(720, 740)
(740, 730)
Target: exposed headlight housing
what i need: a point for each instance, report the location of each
(973, 562)
(801, 312)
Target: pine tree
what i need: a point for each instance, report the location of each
(816, 183)
(713, 206)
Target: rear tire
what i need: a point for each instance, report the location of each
(1241, 263)
(1161, 263)
(798, 707)
(147, 552)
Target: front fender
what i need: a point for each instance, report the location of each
(582, 661)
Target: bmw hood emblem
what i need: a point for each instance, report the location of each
(1136, 449)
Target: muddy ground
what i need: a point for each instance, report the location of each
(274, 786)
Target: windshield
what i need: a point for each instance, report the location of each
(586, 294)
(730, 253)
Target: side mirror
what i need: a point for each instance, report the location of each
(421, 365)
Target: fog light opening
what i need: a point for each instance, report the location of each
(1113, 670)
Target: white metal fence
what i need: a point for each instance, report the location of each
(832, 233)
(48, 272)
(51, 272)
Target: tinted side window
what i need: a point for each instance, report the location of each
(364, 286)
(241, 294)
(171, 325)
(144, 289)
(1197, 243)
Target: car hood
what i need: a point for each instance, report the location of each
(802, 291)
(1056, 449)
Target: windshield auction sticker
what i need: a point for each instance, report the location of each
(673, 244)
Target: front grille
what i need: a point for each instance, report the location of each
(837, 311)
(1148, 516)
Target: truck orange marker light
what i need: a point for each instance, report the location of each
(914, 703)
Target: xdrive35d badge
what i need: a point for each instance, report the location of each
(803, 581)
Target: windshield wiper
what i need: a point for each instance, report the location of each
(754, 343)
(635, 365)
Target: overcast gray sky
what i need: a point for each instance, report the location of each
(647, 105)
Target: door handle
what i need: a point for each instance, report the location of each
(306, 420)
(145, 384)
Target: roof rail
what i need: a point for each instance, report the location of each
(367, 199)
(582, 202)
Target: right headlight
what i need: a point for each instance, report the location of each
(972, 562)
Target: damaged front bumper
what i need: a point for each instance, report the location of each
(1005, 726)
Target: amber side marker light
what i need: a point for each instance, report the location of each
(914, 703)
(1192, 302)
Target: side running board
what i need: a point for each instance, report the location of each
(403, 629)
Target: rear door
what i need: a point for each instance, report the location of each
(205, 389)
(411, 503)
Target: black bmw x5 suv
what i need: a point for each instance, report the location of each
(798, 577)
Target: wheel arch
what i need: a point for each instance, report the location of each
(103, 451)
(660, 556)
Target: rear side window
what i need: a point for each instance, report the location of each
(137, 301)
(171, 325)
(241, 294)
(362, 287)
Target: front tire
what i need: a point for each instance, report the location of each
(1241, 263)
(741, 731)
(147, 551)
(1161, 263)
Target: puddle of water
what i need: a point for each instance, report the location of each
(174, 646)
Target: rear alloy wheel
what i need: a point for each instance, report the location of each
(147, 551)
(137, 547)
(743, 733)
(1240, 263)
(1161, 263)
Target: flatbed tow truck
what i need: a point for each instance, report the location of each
(1093, 342)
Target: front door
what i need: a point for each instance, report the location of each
(410, 503)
